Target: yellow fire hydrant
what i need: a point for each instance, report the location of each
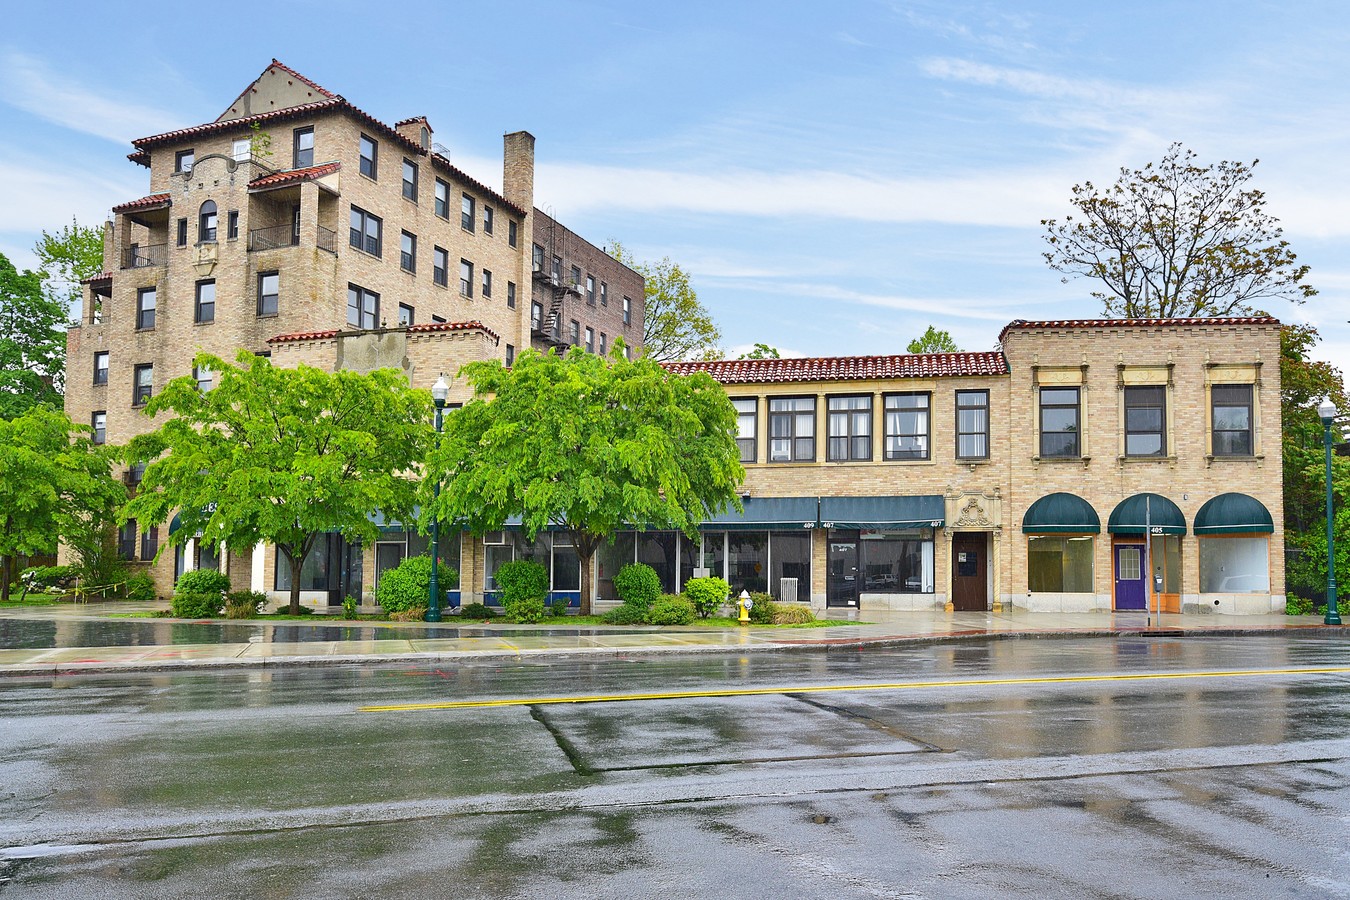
(745, 606)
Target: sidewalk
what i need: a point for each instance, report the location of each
(49, 641)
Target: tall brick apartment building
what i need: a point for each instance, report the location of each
(297, 224)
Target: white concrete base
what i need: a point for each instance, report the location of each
(1061, 602)
(901, 602)
(1233, 604)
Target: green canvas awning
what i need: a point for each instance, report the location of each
(872, 513)
(1233, 514)
(764, 514)
(1164, 516)
(1061, 513)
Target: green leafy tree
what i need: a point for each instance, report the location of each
(587, 443)
(66, 258)
(934, 340)
(1177, 239)
(54, 484)
(762, 351)
(281, 455)
(32, 342)
(675, 325)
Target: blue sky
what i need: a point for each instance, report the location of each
(836, 177)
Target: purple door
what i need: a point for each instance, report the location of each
(1130, 576)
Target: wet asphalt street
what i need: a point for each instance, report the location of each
(972, 769)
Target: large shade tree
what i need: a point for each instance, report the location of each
(32, 342)
(1176, 238)
(281, 456)
(585, 443)
(675, 324)
(54, 484)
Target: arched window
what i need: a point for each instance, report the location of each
(206, 223)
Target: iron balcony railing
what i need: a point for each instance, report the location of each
(139, 256)
(273, 238)
(326, 240)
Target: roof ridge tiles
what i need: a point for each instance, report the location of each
(425, 328)
(1160, 322)
(307, 80)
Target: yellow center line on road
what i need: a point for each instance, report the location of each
(842, 688)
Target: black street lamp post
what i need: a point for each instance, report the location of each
(1333, 617)
(439, 392)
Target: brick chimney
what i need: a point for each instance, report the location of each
(518, 169)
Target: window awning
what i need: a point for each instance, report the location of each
(1163, 516)
(1061, 513)
(1233, 514)
(764, 513)
(927, 510)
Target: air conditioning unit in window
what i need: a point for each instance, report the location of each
(494, 539)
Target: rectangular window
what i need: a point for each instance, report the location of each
(1234, 565)
(590, 289)
(269, 290)
(101, 367)
(145, 308)
(405, 314)
(442, 204)
(205, 378)
(537, 258)
(510, 355)
(487, 219)
(370, 157)
(792, 429)
(590, 340)
(850, 423)
(302, 148)
(556, 271)
(907, 423)
(899, 562)
(510, 295)
(747, 420)
(142, 384)
(512, 232)
(627, 310)
(1059, 422)
(604, 294)
(205, 309)
(604, 344)
(440, 266)
(181, 236)
(536, 316)
(1059, 564)
(407, 252)
(465, 278)
(232, 225)
(409, 180)
(183, 160)
(99, 422)
(576, 277)
(150, 542)
(574, 333)
(972, 424)
(363, 307)
(466, 212)
(487, 283)
(365, 232)
(439, 320)
(1232, 419)
(242, 149)
(1145, 421)
(126, 540)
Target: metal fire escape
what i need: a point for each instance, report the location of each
(549, 273)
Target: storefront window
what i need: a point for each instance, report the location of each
(659, 549)
(1059, 564)
(748, 561)
(897, 562)
(1234, 565)
(790, 557)
(711, 557)
(609, 559)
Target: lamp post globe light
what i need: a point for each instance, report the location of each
(1333, 617)
(439, 392)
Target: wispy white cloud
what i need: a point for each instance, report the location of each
(39, 195)
(29, 84)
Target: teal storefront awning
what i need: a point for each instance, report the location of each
(1233, 514)
(1061, 513)
(765, 514)
(872, 513)
(1163, 516)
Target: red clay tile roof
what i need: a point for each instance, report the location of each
(241, 123)
(277, 179)
(101, 276)
(1060, 324)
(154, 201)
(847, 368)
(450, 169)
(288, 70)
(422, 119)
(413, 329)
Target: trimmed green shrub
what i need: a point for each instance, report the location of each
(626, 614)
(244, 604)
(197, 605)
(707, 594)
(522, 579)
(668, 610)
(558, 608)
(792, 614)
(525, 610)
(638, 584)
(349, 607)
(1298, 606)
(476, 611)
(763, 610)
(408, 585)
(202, 581)
(140, 588)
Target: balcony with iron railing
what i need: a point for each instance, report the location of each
(140, 256)
(276, 237)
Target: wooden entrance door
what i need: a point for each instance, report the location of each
(970, 586)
